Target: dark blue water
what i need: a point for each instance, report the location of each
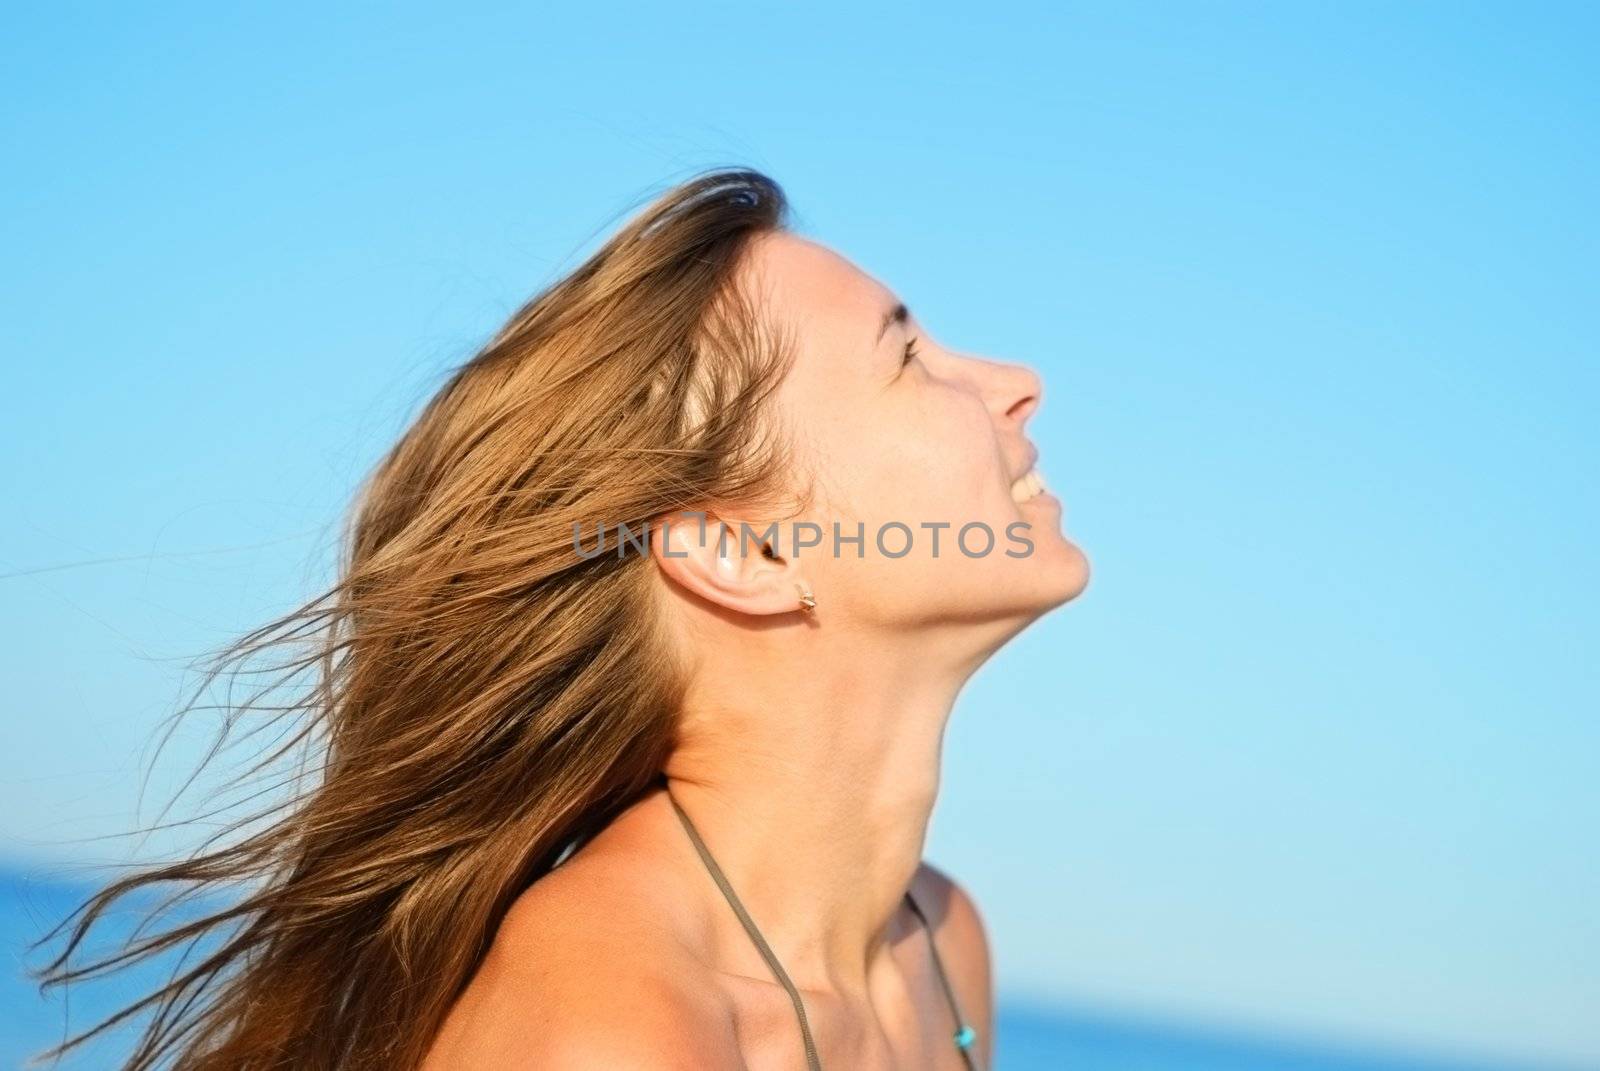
(1027, 1038)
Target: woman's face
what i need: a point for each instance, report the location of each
(917, 448)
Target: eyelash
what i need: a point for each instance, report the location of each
(911, 352)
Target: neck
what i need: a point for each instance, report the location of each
(812, 780)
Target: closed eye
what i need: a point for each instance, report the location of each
(911, 352)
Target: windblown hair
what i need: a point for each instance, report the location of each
(483, 697)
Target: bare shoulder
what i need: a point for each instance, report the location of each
(584, 973)
(963, 940)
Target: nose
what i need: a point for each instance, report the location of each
(1029, 388)
(1012, 391)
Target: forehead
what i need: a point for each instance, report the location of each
(833, 307)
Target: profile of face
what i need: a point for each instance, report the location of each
(919, 450)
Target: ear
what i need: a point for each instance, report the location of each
(726, 562)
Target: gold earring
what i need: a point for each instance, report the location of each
(808, 602)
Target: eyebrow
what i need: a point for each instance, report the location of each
(896, 315)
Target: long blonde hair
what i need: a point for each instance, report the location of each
(482, 697)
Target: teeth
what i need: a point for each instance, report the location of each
(1027, 485)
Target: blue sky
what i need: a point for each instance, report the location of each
(1312, 290)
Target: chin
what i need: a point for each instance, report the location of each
(1056, 571)
(1064, 577)
(1060, 571)
(1078, 572)
(1009, 593)
(1056, 576)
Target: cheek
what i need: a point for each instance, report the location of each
(939, 462)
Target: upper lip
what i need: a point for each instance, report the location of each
(1029, 461)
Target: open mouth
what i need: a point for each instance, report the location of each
(1029, 485)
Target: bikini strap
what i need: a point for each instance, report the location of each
(965, 1035)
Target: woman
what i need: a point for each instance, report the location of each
(630, 697)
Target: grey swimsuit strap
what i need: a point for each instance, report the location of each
(965, 1036)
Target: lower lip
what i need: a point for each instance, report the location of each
(1043, 498)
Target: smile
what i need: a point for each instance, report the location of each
(1028, 485)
